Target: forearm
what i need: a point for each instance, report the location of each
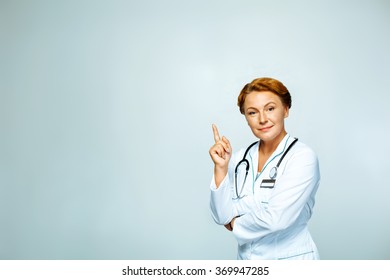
(219, 175)
(221, 203)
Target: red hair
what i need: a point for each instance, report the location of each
(265, 84)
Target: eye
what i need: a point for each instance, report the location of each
(251, 113)
(270, 109)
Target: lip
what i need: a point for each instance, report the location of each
(264, 129)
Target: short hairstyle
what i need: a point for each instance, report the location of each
(264, 84)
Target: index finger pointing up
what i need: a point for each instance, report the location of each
(216, 134)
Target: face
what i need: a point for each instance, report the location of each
(265, 114)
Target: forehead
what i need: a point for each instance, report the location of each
(261, 98)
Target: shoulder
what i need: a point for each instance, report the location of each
(249, 150)
(302, 161)
(304, 152)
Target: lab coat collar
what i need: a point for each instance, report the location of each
(279, 150)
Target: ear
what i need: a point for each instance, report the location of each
(286, 112)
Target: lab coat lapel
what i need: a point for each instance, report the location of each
(279, 151)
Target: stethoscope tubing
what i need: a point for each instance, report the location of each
(273, 172)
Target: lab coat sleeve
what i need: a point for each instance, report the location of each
(221, 204)
(293, 190)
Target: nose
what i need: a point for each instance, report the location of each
(262, 118)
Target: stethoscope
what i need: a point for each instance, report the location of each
(267, 183)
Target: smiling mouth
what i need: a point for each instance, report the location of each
(265, 128)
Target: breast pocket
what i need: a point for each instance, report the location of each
(265, 190)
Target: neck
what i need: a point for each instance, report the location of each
(268, 147)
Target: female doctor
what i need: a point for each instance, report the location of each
(265, 193)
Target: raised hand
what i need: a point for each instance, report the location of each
(220, 153)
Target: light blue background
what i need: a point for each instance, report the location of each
(106, 110)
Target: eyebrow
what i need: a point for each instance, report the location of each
(271, 102)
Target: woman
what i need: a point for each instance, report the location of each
(265, 193)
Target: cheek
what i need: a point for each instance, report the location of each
(251, 124)
(278, 118)
(251, 121)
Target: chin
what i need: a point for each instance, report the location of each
(267, 136)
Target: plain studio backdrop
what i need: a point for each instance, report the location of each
(106, 110)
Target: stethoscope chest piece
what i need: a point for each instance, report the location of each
(273, 172)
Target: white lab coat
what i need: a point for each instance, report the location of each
(273, 221)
